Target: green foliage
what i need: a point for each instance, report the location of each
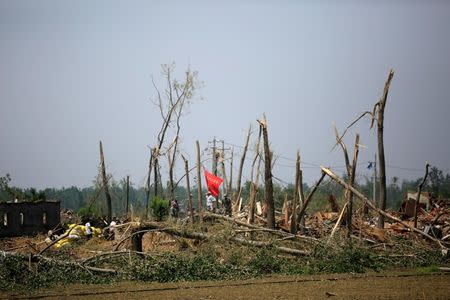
(90, 214)
(266, 262)
(15, 274)
(345, 260)
(206, 264)
(422, 258)
(160, 208)
(173, 267)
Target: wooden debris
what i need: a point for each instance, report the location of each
(368, 202)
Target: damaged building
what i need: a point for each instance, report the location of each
(28, 218)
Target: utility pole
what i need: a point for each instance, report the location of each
(375, 180)
(214, 160)
(230, 182)
(374, 187)
(199, 184)
(224, 173)
(128, 194)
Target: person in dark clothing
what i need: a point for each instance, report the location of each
(174, 208)
(227, 205)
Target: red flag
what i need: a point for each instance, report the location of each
(213, 183)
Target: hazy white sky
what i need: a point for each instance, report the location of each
(76, 72)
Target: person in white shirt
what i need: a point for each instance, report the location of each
(88, 230)
(210, 202)
(110, 231)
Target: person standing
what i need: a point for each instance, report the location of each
(112, 229)
(175, 208)
(210, 202)
(227, 205)
(88, 231)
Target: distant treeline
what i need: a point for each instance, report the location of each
(93, 198)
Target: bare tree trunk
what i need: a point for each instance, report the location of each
(296, 195)
(155, 171)
(252, 200)
(338, 222)
(268, 177)
(301, 194)
(136, 241)
(175, 148)
(199, 184)
(147, 196)
(160, 182)
(302, 211)
(352, 176)
(380, 123)
(128, 195)
(238, 186)
(105, 183)
(170, 192)
(188, 189)
(253, 187)
(419, 191)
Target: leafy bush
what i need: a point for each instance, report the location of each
(347, 259)
(173, 267)
(160, 208)
(15, 274)
(266, 261)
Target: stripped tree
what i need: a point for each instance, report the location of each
(296, 195)
(378, 114)
(254, 184)
(351, 170)
(268, 176)
(241, 165)
(105, 183)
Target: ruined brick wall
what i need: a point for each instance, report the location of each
(28, 218)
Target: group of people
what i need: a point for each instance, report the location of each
(212, 204)
(108, 232)
(218, 206)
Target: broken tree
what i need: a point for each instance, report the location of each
(378, 115)
(105, 183)
(296, 195)
(254, 185)
(268, 176)
(379, 107)
(241, 165)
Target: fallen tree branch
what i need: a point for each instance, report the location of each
(259, 228)
(265, 244)
(131, 235)
(203, 236)
(38, 257)
(338, 223)
(302, 211)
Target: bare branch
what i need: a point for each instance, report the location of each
(159, 104)
(344, 149)
(354, 122)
